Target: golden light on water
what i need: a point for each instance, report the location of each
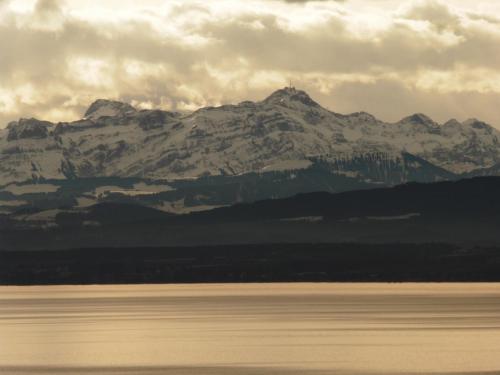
(251, 329)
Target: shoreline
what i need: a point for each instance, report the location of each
(246, 264)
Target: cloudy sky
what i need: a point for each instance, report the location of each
(387, 57)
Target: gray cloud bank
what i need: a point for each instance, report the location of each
(426, 56)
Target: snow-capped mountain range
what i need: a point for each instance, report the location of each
(286, 131)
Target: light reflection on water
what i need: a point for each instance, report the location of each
(251, 329)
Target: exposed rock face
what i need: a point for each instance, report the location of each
(291, 98)
(155, 119)
(115, 139)
(110, 108)
(28, 129)
(420, 123)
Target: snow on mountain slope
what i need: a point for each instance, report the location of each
(29, 150)
(115, 139)
(491, 171)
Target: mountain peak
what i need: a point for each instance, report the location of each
(104, 107)
(452, 122)
(28, 128)
(288, 95)
(477, 124)
(419, 119)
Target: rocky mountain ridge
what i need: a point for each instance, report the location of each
(285, 131)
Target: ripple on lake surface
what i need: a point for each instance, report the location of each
(251, 329)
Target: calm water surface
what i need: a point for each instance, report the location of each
(251, 329)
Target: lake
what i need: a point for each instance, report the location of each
(251, 329)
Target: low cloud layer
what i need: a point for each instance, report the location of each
(390, 58)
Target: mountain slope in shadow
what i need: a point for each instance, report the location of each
(465, 211)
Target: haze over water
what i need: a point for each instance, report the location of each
(251, 329)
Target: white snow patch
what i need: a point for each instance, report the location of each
(310, 219)
(155, 188)
(131, 192)
(85, 202)
(178, 207)
(104, 190)
(287, 165)
(398, 217)
(13, 203)
(352, 174)
(30, 189)
(47, 215)
(140, 188)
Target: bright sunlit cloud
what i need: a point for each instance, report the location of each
(388, 57)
